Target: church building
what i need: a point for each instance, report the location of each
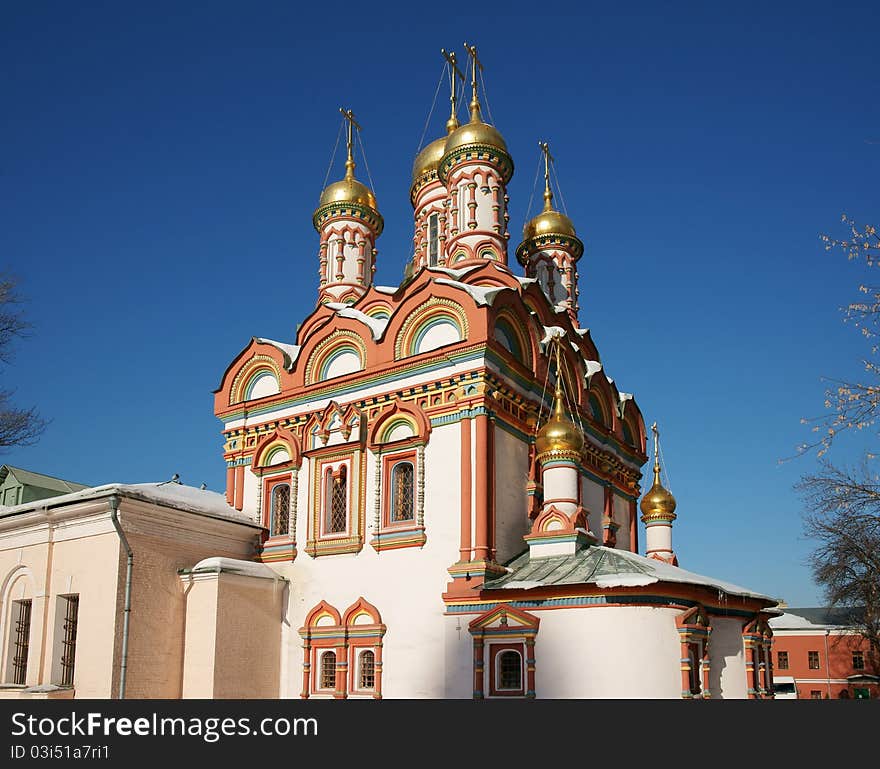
(432, 489)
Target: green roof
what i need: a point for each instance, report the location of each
(603, 567)
(29, 478)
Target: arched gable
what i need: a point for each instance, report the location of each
(322, 614)
(634, 423)
(437, 322)
(512, 331)
(399, 422)
(599, 400)
(272, 444)
(342, 352)
(361, 612)
(258, 371)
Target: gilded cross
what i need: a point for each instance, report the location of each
(475, 62)
(454, 72)
(352, 124)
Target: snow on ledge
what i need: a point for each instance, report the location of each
(377, 326)
(290, 351)
(552, 332)
(386, 289)
(235, 566)
(480, 294)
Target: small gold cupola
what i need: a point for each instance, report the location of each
(348, 191)
(559, 436)
(657, 504)
(549, 221)
(550, 249)
(476, 135)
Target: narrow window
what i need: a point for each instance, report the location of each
(68, 643)
(433, 239)
(280, 511)
(337, 501)
(783, 660)
(694, 674)
(402, 492)
(462, 207)
(858, 660)
(509, 670)
(813, 660)
(328, 670)
(21, 611)
(367, 676)
(815, 694)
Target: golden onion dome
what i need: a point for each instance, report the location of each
(475, 132)
(348, 190)
(559, 433)
(658, 502)
(428, 159)
(548, 223)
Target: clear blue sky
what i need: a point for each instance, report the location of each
(160, 162)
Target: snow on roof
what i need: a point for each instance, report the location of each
(236, 566)
(166, 493)
(551, 332)
(454, 274)
(377, 326)
(386, 289)
(606, 568)
(480, 294)
(582, 331)
(593, 367)
(290, 351)
(819, 617)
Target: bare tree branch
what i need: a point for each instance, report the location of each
(18, 426)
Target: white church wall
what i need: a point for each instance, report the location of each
(593, 496)
(511, 476)
(608, 652)
(249, 498)
(727, 676)
(621, 516)
(459, 648)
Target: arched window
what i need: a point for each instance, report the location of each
(367, 671)
(280, 510)
(336, 501)
(433, 239)
(402, 481)
(509, 672)
(328, 670)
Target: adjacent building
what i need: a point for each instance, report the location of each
(821, 650)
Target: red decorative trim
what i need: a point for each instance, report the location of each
(420, 422)
(278, 435)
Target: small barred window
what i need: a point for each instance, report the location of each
(328, 670)
(280, 518)
(509, 671)
(402, 478)
(367, 677)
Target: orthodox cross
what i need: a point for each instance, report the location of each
(656, 445)
(475, 62)
(454, 72)
(352, 124)
(548, 159)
